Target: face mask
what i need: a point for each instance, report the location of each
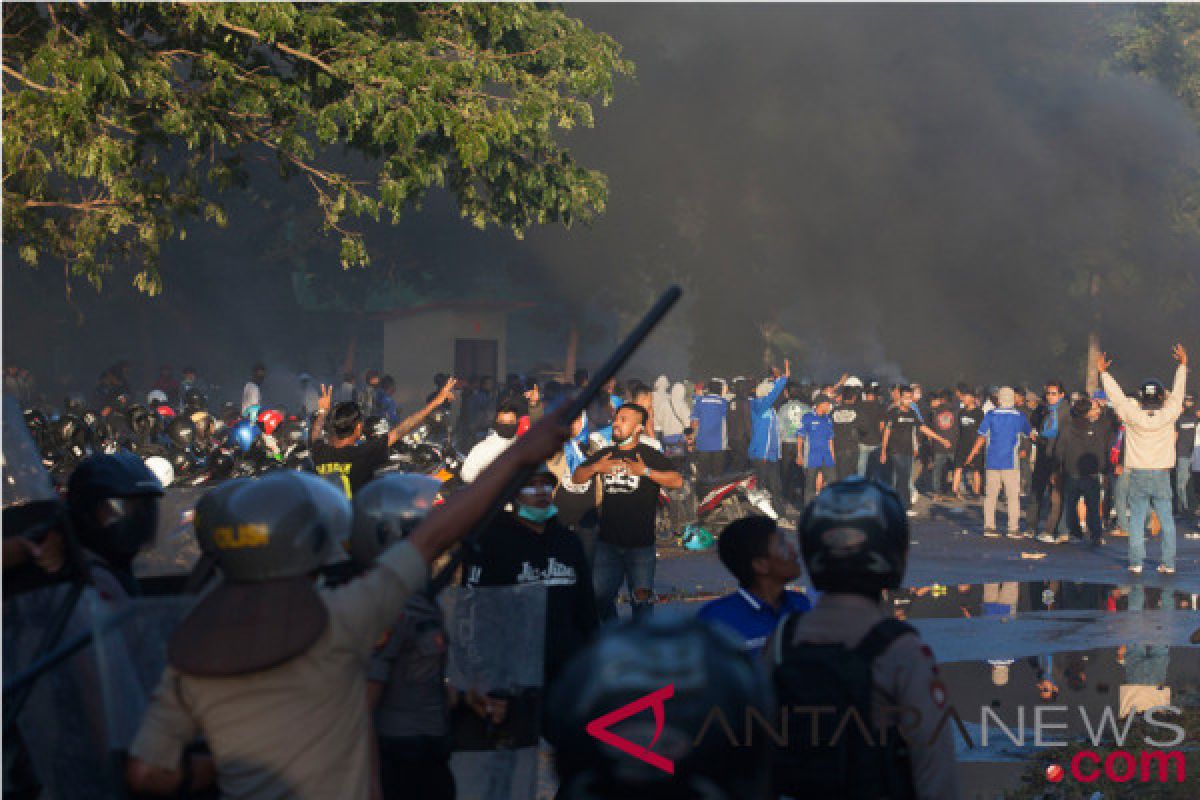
(535, 514)
(506, 430)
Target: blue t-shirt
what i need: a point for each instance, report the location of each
(709, 412)
(750, 618)
(817, 431)
(1003, 428)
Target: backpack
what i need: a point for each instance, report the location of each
(831, 675)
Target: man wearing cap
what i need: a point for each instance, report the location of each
(271, 671)
(1001, 430)
(1149, 454)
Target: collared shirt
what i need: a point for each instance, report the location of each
(300, 729)
(753, 620)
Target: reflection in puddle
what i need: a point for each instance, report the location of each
(1012, 597)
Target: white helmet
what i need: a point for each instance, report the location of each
(162, 469)
(853, 382)
(156, 397)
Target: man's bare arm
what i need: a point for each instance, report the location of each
(407, 425)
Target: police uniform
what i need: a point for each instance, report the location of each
(299, 729)
(905, 676)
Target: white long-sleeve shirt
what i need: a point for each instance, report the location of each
(483, 454)
(1149, 433)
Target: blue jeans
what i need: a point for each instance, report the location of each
(1121, 499)
(902, 469)
(1183, 476)
(1150, 489)
(632, 565)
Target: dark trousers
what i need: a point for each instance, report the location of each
(900, 466)
(709, 464)
(1049, 498)
(943, 465)
(769, 479)
(739, 457)
(846, 462)
(1087, 487)
(790, 472)
(415, 768)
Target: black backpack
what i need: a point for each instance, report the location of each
(832, 676)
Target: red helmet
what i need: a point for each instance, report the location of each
(165, 411)
(269, 420)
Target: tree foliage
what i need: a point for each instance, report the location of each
(1162, 42)
(124, 121)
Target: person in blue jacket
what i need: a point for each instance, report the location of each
(765, 440)
(764, 561)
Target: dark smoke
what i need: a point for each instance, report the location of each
(921, 185)
(917, 191)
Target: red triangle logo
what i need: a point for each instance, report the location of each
(599, 728)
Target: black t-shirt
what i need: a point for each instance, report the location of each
(354, 465)
(903, 424)
(969, 420)
(944, 421)
(1185, 426)
(845, 427)
(627, 510)
(870, 416)
(511, 553)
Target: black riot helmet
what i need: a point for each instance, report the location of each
(854, 537)
(1151, 395)
(141, 421)
(113, 503)
(386, 510)
(685, 671)
(182, 432)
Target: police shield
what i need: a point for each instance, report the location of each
(496, 661)
(82, 713)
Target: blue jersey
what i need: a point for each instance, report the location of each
(817, 431)
(750, 618)
(1003, 428)
(709, 412)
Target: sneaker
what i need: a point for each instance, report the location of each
(1013, 534)
(1136, 569)
(1195, 535)
(1062, 538)
(1027, 534)
(991, 533)
(1119, 533)
(1165, 570)
(1045, 538)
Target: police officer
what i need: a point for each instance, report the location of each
(406, 679)
(272, 671)
(854, 538)
(692, 676)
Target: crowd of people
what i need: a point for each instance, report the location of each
(347, 695)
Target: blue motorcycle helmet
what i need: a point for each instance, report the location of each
(251, 412)
(243, 435)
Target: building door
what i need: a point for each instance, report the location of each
(476, 357)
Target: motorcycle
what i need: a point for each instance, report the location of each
(731, 497)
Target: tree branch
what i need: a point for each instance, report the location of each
(31, 83)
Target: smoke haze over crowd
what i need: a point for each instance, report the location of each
(917, 191)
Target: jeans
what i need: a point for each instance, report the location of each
(901, 466)
(1150, 489)
(632, 565)
(1183, 477)
(868, 461)
(943, 464)
(1121, 499)
(1087, 487)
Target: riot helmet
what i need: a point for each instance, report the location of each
(854, 537)
(387, 510)
(113, 503)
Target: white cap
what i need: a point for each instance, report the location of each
(854, 382)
